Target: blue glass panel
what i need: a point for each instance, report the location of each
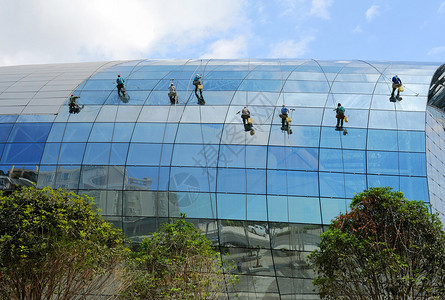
(192, 179)
(144, 154)
(292, 158)
(331, 138)
(56, 133)
(199, 133)
(292, 86)
(296, 183)
(1, 149)
(71, 153)
(336, 160)
(136, 97)
(119, 153)
(331, 208)
(22, 153)
(412, 164)
(231, 206)
(4, 132)
(382, 140)
(221, 85)
(115, 177)
(256, 156)
(414, 188)
(101, 132)
(382, 181)
(47, 176)
(332, 185)
(51, 153)
(231, 180)
(94, 97)
(154, 133)
(195, 155)
(98, 85)
(8, 118)
(354, 183)
(146, 178)
(97, 154)
(412, 141)
(256, 207)
(67, 177)
(29, 132)
(141, 84)
(302, 136)
(95, 177)
(194, 205)
(123, 132)
(232, 156)
(77, 132)
(256, 181)
(261, 85)
(304, 210)
(278, 208)
(380, 162)
(166, 155)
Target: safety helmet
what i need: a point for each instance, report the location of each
(118, 75)
(198, 75)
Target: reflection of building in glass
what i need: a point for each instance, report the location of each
(263, 199)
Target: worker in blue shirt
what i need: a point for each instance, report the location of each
(120, 85)
(198, 85)
(396, 83)
(340, 110)
(283, 115)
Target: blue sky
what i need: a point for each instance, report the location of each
(59, 31)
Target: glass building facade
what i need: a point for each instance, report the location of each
(263, 199)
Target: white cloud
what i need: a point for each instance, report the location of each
(436, 50)
(373, 11)
(320, 8)
(48, 31)
(224, 48)
(291, 48)
(357, 29)
(441, 9)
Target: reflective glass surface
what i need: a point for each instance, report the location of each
(262, 194)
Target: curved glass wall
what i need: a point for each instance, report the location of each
(262, 198)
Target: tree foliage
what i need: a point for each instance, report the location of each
(386, 247)
(177, 262)
(54, 245)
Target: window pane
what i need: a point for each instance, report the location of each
(278, 208)
(414, 188)
(231, 206)
(51, 153)
(331, 208)
(119, 153)
(199, 133)
(304, 210)
(56, 132)
(192, 179)
(67, 177)
(382, 140)
(29, 132)
(97, 154)
(195, 155)
(382, 181)
(123, 132)
(144, 154)
(256, 207)
(4, 132)
(412, 164)
(295, 183)
(293, 158)
(413, 141)
(332, 185)
(77, 132)
(380, 162)
(146, 178)
(22, 153)
(71, 153)
(101, 132)
(231, 180)
(194, 205)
